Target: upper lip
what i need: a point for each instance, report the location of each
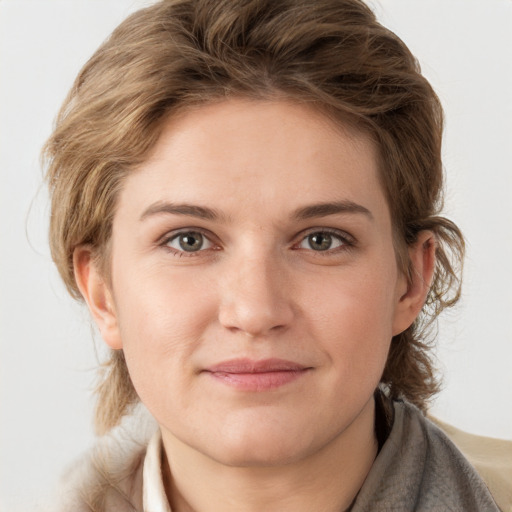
(255, 366)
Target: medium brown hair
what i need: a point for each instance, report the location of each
(330, 54)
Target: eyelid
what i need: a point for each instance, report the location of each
(346, 238)
(173, 234)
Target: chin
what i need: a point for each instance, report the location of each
(261, 447)
(256, 456)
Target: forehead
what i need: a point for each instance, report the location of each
(239, 154)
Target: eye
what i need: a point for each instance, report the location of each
(189, 241)
(323, 241)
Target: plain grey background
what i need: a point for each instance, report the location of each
(47, 356)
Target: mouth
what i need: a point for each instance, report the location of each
(251, 375)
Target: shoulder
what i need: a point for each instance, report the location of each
(420, 469)
(109, 475)
(492, 459)
(447, 472)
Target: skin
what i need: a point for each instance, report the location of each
(257, 288)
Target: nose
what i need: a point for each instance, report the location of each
(256, 296)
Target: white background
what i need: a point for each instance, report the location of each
(47, 357)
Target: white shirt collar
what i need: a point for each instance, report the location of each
(154, 498)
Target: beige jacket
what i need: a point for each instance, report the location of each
(492, 458)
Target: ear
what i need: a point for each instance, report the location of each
(97, 295)
(422, 258)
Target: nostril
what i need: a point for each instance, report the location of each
(255, 321)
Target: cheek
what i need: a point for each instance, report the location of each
(161, 305)
(162, 319)
(355, 301)
(353, 318)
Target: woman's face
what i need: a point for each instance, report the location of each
(255, 288)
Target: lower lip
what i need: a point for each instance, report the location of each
(260, 381)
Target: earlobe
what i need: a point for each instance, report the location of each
(97, 295)
(422, 264)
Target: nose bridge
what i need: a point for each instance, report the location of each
(256, 296)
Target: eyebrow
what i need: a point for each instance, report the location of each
(190, 210)
(303, 213)
(325, 209)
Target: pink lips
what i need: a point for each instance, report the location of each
(250, 375)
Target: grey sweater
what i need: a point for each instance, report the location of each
(420, 469)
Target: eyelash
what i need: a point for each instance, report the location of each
(182, 253)
(347, 242)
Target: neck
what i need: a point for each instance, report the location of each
(327, 480)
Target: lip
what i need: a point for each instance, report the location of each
(256, 375)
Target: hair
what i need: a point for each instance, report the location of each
(332, 55)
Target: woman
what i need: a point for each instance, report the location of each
(247, 197)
